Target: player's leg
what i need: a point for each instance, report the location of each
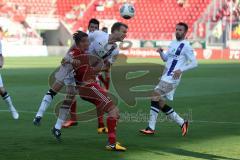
(106, 105)
(63, 111)
(154, 110)
(107, 79)
(6, 97)
(87, 94)
(171, 114)
(46, 101)
(158, 103)
(158, 94)
(167, 90)
(100, 115)
(112, 119)
(73, 116)
(97, 95)
(101, 127)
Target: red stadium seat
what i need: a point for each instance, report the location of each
(155, 16)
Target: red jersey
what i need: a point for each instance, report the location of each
(84, 73)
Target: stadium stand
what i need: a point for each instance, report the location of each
(36, 6)
(160, 15)
(14, 28)
(157, 13)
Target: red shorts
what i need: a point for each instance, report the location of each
(95, 94)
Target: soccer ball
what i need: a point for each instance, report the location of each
(127, 11)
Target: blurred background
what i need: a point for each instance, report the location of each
(44, 27)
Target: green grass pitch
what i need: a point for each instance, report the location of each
(209, 94)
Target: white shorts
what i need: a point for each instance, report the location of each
(1, 82)
(65, 75)
(166, 90)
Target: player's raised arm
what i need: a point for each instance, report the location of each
(162, 54)
(192, 61)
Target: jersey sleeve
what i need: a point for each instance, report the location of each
(191, 59)
(163, 55)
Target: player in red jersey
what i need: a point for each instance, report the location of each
(104, 46)
(63, 78)
(93, 25)
(89, 90)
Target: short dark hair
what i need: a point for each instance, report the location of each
(117, 26)
(78, 36)
(94, 21)
(184, 25)
(104, 28)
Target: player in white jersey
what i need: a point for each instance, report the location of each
(104, 45)
(179, 58)
(4, 93)
(63, 76)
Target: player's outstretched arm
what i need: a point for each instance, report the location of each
(162, 54)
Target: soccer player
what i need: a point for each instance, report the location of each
(89, 90)
(63, 77)
(104, 46)
(179, 58)
(6, 97)
(93, 25)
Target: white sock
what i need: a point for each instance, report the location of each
(12, 109)
(153, 117)
(59, 124)
(47, 99)
(175, 117)
(63, 113)
(8, 100)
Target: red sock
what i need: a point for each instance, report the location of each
(73, 111)
(100, 114)
(111, 124)
(100, 121)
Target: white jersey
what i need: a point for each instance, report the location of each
(99, 46)
(65, 74)
(179, 56)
